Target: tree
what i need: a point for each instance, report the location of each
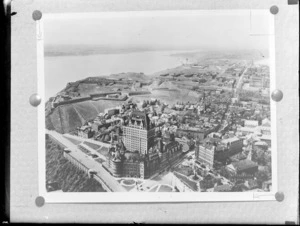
(144, 104)
(258, 155)
(202, 80)
(261, 176)
(107, 138)
(237, 188)
(224, 172)
(163, 107)
(206, 184)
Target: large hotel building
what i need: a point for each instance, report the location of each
(141, 153)
(139, 134)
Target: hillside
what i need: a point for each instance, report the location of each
(59, 169)
(67, 118)
(179, 84)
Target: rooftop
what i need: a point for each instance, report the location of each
(265, 137)
(261, 143)
(141, 116)
(251, 122)
(229, 140)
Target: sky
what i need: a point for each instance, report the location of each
(234, 29)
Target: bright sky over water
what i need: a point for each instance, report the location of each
(232, 29)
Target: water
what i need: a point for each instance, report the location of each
(60, 70)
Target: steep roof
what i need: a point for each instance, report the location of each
(266, 122)
(141, 115)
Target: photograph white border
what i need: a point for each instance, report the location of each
(138, 197)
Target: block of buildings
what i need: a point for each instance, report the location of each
(96, 126)
(251, 123)
(266, 130)
(266, 138)
(233, 144)
(112, 111)
(246, 130)
(266, 122)
(85, 131)
(141, 153)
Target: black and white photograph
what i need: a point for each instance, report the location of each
(138, 112)
(162, 101)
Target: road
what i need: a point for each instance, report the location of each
(236, 94)
(240, 82)
(87, 161)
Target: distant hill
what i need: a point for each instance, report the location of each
(170, 85)
(248, 54)
(84, 50)
(130, 75)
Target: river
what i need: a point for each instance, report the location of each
(59, 70)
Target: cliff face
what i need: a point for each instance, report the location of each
(69, 178)
(67, 118)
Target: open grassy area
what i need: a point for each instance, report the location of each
(189, 183)
(103, 151)
(86, 110)
(74, 141)
(67, 118)
(185, 170)
(164, 188)
(129, 182)
(92, 145)
(70, 118)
